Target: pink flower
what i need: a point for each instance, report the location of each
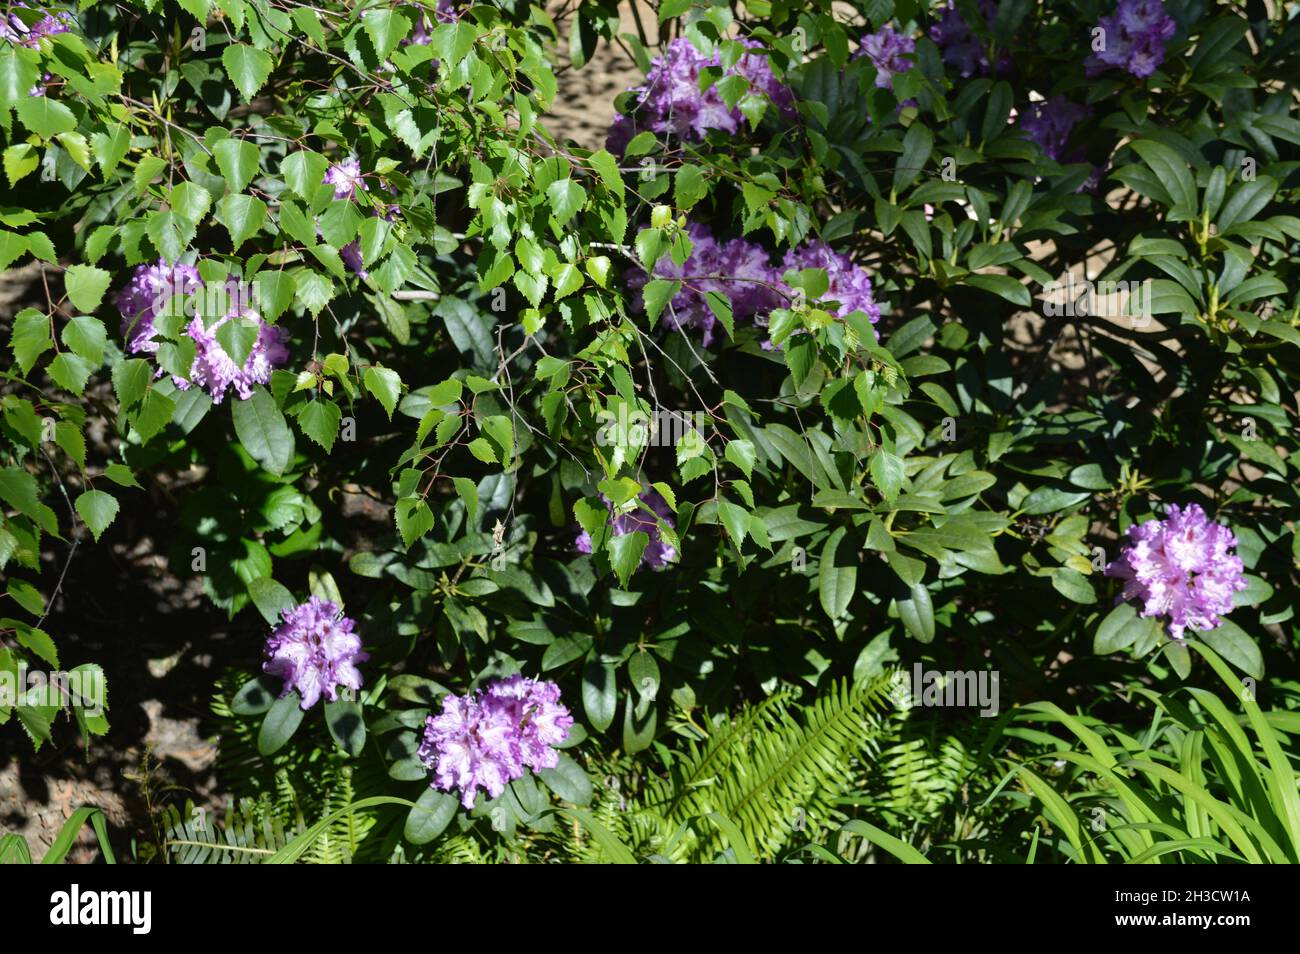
(315, 651)
(1181, 567)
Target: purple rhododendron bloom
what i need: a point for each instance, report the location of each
(351, 255)
(657, 553)
(150, 288)
(737, 269)
(1050, 123)
(887, 51)
(1182, 568)
(485, 739)
(422, 34)
(671, 100)
(1133, 38)
(13, 29)
(849, 284)
(960, 47)
(315, 651)
(346, 179)
(215, 371)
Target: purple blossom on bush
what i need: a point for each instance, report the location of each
(485, 739)
(849, 284)
(314, 650)
(215, 371)
(422, 34)
(148, 291)
(13, 29)
(1050, 123)
(959, 46)
(887, 51)
(657, 553)
(351, 255)
(346, 179)
(737, 269)
(1182, 568)
(1133, 38)
(671, 100)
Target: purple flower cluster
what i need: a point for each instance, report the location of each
(888, 53)
(1133, 38)
(1181, 567)
(215, 371)
(671, 100)
(658, 552)
(13, 29)
(315, 651)
(422, 35)
(346, 178)
(740, 270)
(849, 284)
(736, 269)
(151, 287)
(960, 47)
(488, 738)
(1050, 123)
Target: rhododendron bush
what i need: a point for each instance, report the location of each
(872, 342)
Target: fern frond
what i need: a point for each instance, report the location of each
(775, 770)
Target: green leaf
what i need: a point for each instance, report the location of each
(916, 611)
(887, 473)
(501, 433)
(270, 598)
(741, 453)
(255, 697)
(429, 816)
(736, 521)
(155, 413)
(320, 420)
(30, 338)
(1173, 173)
(567, 197)
(86, 337)
(414, 519)
(386, 29)
(385, 385)
(304, 172)
(568, 781)
(1073, 585)
(625, 556)
(346, 725)
(190, 201)
(837, 578)
(242, 215)
(20, 160)
(599, 694)
(247, 67)
(111, 147)
(281, 722)
(262, 430)
(18, 74)
(46, 116)
(71, 372)
(98, 510)
(237, 159)
(1233, 643)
